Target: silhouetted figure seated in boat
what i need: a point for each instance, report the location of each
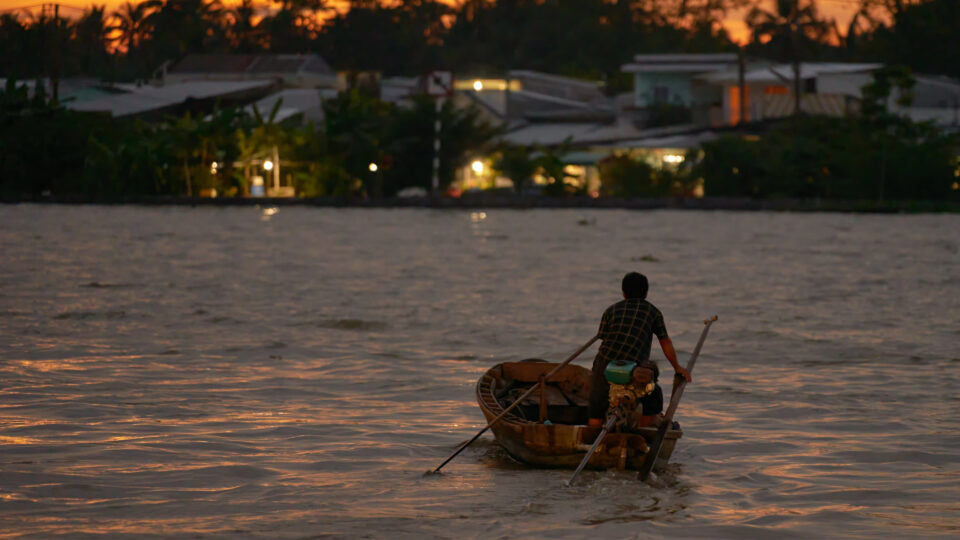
(626, 330)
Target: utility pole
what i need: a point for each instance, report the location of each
(276, 169)
(437, 127)
(43, 41)
(439, 84)
(55, 75)
(742, 81)
(795, 42)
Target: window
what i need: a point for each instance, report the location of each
(661, 95)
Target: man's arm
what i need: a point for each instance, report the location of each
(671, 355)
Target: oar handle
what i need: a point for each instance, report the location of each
(516, 402)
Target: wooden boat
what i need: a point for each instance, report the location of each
(548, 428)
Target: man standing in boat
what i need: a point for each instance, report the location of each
(626, 330)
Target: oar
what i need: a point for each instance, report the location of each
(654, 450)
(596, 443)
(518, 400)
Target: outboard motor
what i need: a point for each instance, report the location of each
(629, 383)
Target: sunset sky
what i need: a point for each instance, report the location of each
(840, 10)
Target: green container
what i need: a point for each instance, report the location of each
(619, 371)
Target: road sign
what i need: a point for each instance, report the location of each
(440, 83)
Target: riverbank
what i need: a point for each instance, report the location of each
(506, 201)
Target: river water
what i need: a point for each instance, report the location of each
(238, 372)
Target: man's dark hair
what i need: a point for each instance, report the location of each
(635, 285)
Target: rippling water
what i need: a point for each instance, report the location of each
(224, 372)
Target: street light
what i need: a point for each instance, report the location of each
(478, 85)
(373, 167)
(477, 166)
(268, 165)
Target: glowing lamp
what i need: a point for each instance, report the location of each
(268, 165)
(373, 167)
(477, 166)
(673, 158)
(477, 85)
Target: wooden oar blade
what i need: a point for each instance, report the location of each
(596, 444)
(654, 450)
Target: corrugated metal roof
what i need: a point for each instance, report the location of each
(317, 65)
(671, 68)
(620, 134)
(579, 133)
(781, 73)
(679, 63)
(686, 57)
(277, 64)
(549, 134)
(214, 63)
(550, 77)
(295, 101)
(145, 98)
(686, 141)
(251, 64)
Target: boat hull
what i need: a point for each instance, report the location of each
(564, 441)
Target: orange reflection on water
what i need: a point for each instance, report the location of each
(731, 515)
(4, 439)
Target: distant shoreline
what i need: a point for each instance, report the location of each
(518, 202)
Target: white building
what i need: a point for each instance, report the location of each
(669, 79)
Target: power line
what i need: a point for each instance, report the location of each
(43, 5)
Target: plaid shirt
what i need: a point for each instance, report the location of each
(627, 329)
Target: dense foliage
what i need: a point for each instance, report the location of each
(591, 38)
(833, 158)
(47, 148)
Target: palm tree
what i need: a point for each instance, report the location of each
(244, 33)
(91, 36)
(787, 31)
(184, 26)
(131, 23)
(18, 43)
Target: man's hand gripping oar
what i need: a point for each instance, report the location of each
(517, 402)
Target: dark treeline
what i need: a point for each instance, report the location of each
(587, 38)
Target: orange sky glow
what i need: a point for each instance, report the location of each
(839, 10)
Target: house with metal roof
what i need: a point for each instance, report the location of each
(768, 91)
(828, 88)
(197, 82)
(523, 96)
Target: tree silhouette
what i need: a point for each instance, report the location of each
(789, 33)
